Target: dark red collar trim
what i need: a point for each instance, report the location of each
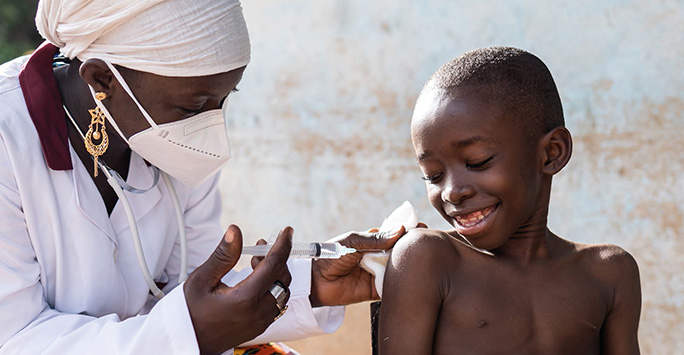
(44, 104)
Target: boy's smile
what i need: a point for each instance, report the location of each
(472, 222)
(479, 164)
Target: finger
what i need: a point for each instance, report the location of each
(421, 225)
(373, 241)
(283, 274)
(285, 277)
(257, 259)
(287, 300)
(274, 301)
(274, 264)
(254, 262)
(224, 258)
(268, 306)
(373, 230)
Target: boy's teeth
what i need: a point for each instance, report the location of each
(473, 218)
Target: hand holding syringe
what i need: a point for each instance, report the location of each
(306, 250)
(405, 215)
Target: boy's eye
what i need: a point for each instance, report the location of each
(479, 165)
(433, 179)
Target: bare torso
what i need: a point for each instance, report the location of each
(553, 306)
(465, 301)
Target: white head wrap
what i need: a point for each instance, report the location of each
(163, 37)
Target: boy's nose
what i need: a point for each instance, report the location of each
(456, 192)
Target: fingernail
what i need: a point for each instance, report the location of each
(396, 230)
(230, 235)
(290, 231)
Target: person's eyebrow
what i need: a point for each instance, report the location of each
(470, 141)
(461, 144)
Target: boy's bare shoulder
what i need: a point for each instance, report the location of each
(424, 240)
(431, 248)
(607, 260)
(421, 259)
(422, 246)
(617, 271)
(603, 253)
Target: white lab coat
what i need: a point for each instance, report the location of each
(69, 278)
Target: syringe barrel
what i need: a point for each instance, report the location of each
(301, 250)
(305, 250)
(326, 250)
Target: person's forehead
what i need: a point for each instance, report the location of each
(468, 108)
(429, 106)
(471, 116)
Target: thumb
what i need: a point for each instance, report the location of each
(374, 240)
(386, 240)
(223, 259)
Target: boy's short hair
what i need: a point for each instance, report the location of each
(520, 81)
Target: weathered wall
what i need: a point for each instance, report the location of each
(321, 137)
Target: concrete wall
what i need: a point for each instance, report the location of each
(320, 129)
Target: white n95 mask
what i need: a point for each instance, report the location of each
(191, 150)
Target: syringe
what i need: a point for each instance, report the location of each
(304, 250)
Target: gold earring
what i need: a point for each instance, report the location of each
(96, 130)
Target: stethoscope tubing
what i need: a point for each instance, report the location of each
(112, 179)
(116, 182)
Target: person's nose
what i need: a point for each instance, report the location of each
(457, 189)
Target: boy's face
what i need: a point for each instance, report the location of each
(480, 167)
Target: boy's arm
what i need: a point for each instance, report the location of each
(619, 330)
(412, 295)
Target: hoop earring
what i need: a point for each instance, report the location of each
(96, 130)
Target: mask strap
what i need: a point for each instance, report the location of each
(125, 86)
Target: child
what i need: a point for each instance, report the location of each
(488, 131)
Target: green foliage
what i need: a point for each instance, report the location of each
(18, 34)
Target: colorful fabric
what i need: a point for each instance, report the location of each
(265, 349)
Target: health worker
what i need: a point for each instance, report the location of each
(112, 135)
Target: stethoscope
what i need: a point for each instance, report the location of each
(119, 185)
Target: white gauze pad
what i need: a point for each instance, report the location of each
(375, 263)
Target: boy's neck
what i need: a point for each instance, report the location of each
(531, 242)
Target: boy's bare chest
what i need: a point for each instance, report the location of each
(521, 311)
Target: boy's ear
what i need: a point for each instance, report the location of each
(556, 148)
(97, 74)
